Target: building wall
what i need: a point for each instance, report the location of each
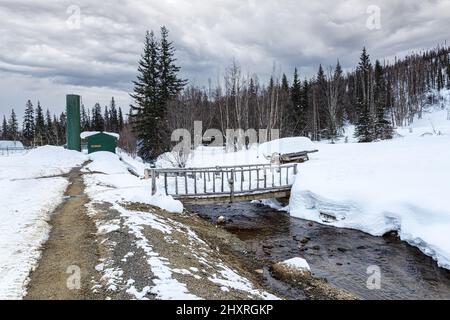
(101, 142)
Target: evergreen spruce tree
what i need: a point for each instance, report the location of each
(106, 120)
(13, 126)
(169, 84)
(62, 127)
(98, 123)
(448, 76)
(296, 97)
(49, 136)
(85, 125)
(28, 124)
(146, 108)
(39, 126)
(365, 125)
(113, 117)
(383, 127)
(5, 130)
(440, 80)
(120, 120)
(156, 84)
(305, 107)
(287, 108)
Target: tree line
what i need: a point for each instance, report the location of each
(374, 97)
(40, 128)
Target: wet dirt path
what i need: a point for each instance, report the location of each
(341, 256)
(71, 247)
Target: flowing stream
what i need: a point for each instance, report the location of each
(342, 256)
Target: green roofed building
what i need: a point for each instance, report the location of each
(100, 141)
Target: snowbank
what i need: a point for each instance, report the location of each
(39, 162)
(136, 164)
(400, 185)
(215, 156)
(29, 193)
(106, 162)
(286, 146)
(113, 183)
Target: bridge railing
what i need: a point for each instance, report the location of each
(223, 180)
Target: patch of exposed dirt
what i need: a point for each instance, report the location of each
(71, 245)
(192, 261)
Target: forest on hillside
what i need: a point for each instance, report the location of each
(373, 95)
(376, 96)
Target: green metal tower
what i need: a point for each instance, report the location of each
(73, 126)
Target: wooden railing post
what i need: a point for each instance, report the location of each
(165, 183)
(153, 173)
(231, 184)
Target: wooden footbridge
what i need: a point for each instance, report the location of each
(224, 184)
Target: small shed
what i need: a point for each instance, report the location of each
(100, 141)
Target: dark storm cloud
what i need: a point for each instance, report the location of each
(41, 53)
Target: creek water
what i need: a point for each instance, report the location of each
(341, 256)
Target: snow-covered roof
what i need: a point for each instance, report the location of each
(86, 134)
(8, 144)
(286, 146)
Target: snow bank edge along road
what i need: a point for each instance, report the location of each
(28, 195)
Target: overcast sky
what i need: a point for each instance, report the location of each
(47, 52)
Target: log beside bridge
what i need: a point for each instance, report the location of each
(224, 184)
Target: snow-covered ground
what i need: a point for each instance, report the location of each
(29, 192)
(112, 182)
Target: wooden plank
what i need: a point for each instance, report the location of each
(236, 198)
